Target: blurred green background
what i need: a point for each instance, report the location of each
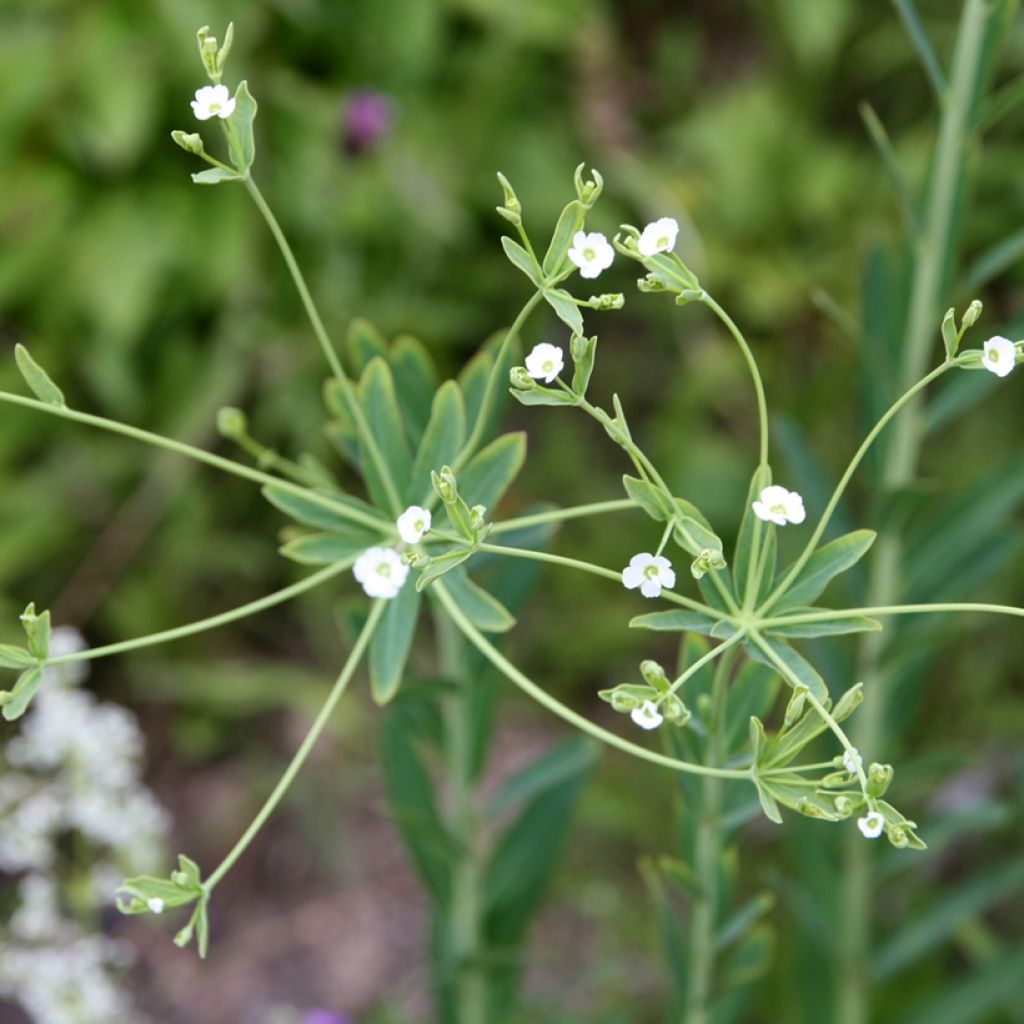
(156, 302)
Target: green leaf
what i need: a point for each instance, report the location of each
(744, 919)
(570, 220)
(363, 344)
(950, 338)
(768, 803)
(24, 690)
(37, 379)
(240, 134)
(310, 513)
(490, 472)
(691, 535)
(975, 998)
(827, 562)
(377, 396)
(584, 352)
(541, 396)
(326, 548)
(215, 176)
(677, 620)
(486, 612)
(415, 383)
(553, 768)
(442, 440)
(522, 260)
(829, 627)
(441, 565)
(650, 498)
(15, 657)
(752, 533)
(565, 308)
(806, 674)
(389, 646)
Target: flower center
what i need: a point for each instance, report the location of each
(779, 509)
(384, 570)
(663, 242)
(589, 254)
(651, 572)
(994, 355)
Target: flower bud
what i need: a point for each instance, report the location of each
(208, 47)
(654, 675)
(707, 560)
(795, 707)
(899, 837)
(189, 141)
(651, 283)
(809, 809)
(232, 423)
(971, 315)
(844, 806)
(588, 190)
(675, 711)
(415, 559)
(477, 517)
(520, 379)
(512, 210)
(614, 300)
(879, 777)
(849, 702)
(445, 484)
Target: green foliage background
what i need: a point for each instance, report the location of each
(156, 302)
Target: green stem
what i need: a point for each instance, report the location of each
(596, 570)
(299, 759)
(500, 662)
(892, 609)
(706, 862)
(701, 662)
(201, 626)
(218, 462)
(837, 494)
(365, 433)
(558, 515)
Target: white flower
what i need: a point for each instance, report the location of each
(779, 506)
(381, 571)
(999, 355)
(647, 715)
(545, 362)
(213, 101)
(413, 523)
(871, 825)
(156, 905)
(591, 253)
(852, 761)
(659, 236)
(648, 572)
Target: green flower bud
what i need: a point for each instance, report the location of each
(675, 711)
(512, 210)
(879, 777)
(477, 517)
(849, 702)
(707, 560)
(445, 484)
(588, 190)
(795, 707)
(613, 300)
(844, 806)
(971, 315)
(37, 631)
(651, 283)
(189, 141)
(898, 836)
(654, 675)
(232, 423)
(415, 559)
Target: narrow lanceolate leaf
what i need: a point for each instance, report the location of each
(565, 309)
(542, 396)
(389, 648)
(327, 548)
(521, 259)
(377, 396)
(950, 338)
(677, 620)
(310, 513)
(441, 566)
(827, 562)
(415, 383)
(243, 142)
(488, 474)
(649, 498)
(442, 440)
(752, 533)
(487, 613)
(801, 671)
(215, 176)
(37, 379)
(550, 770)
(569, 222)
(14, 657)
(24, 690)
(830, 627)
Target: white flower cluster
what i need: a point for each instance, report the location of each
(76, 768)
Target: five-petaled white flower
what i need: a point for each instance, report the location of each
(381, 571)
(545, 362)
(852, 761)
(591, 253)
(647, 715)
(213, 101)
(650, 573)
(779, 506)
(156, 905)
(660, 236)
(999, 355)
(871, 825)
(413, 523)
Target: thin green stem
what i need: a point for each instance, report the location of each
(596, 570)
(837, 494)
(299, 758)
(705, 659)
(365, 433)
(545, 699)
(189, 451)
(755, 374)
(559, 515)
(892, 609)
(202, 625)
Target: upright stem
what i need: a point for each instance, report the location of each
(900, 464)
(465, 916)
(706, 857)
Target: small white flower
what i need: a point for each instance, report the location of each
(659, 236)
(413, 523)
(871, 825)
(213, 101)
(779, 506)
(999, 355)
(852, 761)
(648, 572)
(381, 572)
(156, 905)
(591, 253)
(647, 715)
(545, 362)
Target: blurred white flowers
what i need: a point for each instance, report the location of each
(871, 825)
(413, 523)
(999, 355)
(852, 761)
(650, 573)
(213, 101)
(591, 253)
(381, 572)
(779, 506)
(659, 236)
(647, 715)
(545, 362)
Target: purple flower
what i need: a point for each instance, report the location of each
(325, 1017)
(368, 118)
